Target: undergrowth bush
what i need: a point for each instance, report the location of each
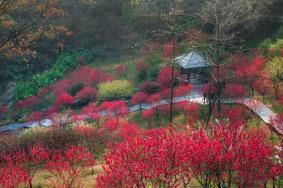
(117, 89)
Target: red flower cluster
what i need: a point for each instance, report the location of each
(67, 166)
(89, 76)
(157, 159)
(89, 109)
(183, 90)
(35, 116)
(128, 130)
(155, 98)
(168, 49)
(208, 89)
(19, 166)
(262, 83)
(13, 176)
(246, 70)
(63, 99)
(117, 109)
(138, 98)
(165, 109)
(190, 111)
(147, 114)
(164, 78)
(221, 155)
(86, 75)
(235, 90)
(86, 94)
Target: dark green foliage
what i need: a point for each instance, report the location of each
(66, 61)
(75, 88)
(142, 75)
(153, 73)
(154, 61)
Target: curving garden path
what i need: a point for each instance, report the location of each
(195, 96)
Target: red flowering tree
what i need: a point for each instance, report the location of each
(111, 125)
(262, 84)
(89, 76)
(169, 49)
(164, 79)
(189, 110)
(237, 114)
(153, 100)
(35, 116)
(155, 160)
(164, 110)
(92, 112)
(63, 99)
(87, 94)
(13, 176)
(51, 111)
(128, 130)
(182, 90)
(223, 155)
(139, 98)
(86, 76)
(147, 115)
(235, 91)
(60, 86)
(227, 154)
(116, 109)
(165, 94)
(67, 166)
(26, 162)
(247, 71)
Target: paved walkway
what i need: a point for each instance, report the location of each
(195, 96)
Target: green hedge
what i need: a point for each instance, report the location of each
(64, 62)
(115, 90)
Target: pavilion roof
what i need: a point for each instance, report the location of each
(192, 60)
